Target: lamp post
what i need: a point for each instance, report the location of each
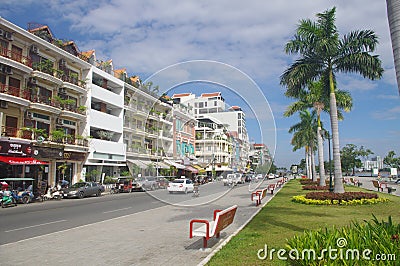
(326, 134)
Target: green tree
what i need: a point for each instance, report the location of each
(322, 55)
(305, 137)
(318, 98)
(349, 156)
(391, 160)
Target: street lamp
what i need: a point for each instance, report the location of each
(325, 133)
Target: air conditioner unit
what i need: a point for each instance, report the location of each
(8, 35)
(33, 81)
(34, 49)
(2, 32)
(28, 115)
(59, 121)
(4, 104)
(62, 62)
(8, 70)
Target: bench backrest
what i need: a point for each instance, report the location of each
(376, 183)
(223, 219)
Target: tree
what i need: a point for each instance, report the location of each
(322, 56)
(304, 137)
(391, 161)
(349, 156)
(317, 97)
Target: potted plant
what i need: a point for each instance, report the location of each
(82, 109)
(58, 135)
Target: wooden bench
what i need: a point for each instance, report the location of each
(381, 185)
(355, 182)
(222, 219)
(279, 183)
(271, 188)
(258, 195)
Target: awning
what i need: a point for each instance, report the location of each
(139, 163)
(161, 165)
(174, 164)
(191, 169)
(17, 179)
(198, 167)
(20, 160)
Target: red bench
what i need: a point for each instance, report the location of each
(222, 219)
(279, 183)
(271, 188)
(258, 195)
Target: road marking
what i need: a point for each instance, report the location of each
(27, 227)
(118, 210)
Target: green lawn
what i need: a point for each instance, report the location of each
(281, 219)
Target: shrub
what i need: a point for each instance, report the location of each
(341, 196)
(308, 182)
(350, 243)
(314, 187)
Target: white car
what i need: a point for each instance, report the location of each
(271, 176)
(180, 185)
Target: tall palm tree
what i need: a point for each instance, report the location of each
(304, 137)
(317, 97)
(322, 55)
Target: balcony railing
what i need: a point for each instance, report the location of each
(17, 92)
(30, 134)
(16, 56)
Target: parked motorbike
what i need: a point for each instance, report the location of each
(24, 196)
(8, 199)
(53, 193)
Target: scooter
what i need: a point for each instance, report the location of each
(52, 193)
(8, 199)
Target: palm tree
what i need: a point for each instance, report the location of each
(304, 136)
(322, 55)
(317, 97)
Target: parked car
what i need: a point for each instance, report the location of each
(181, 185)
(148, 183)
(82, 189)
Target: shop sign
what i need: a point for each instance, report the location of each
(48, 153)
(74, 156)
(15, 148)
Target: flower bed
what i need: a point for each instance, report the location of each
(330, 198)
(314, 187)
(308, 182)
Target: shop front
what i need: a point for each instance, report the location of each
(17, 161)
(50, 154)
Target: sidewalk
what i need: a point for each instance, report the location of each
(367, 184)
(154, 237)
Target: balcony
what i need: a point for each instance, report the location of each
(34, 134)
(17, 92)
(16, 57)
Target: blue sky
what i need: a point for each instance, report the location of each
(148, 36)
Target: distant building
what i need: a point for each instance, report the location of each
(376, 162)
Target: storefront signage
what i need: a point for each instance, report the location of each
(48, 153)
(15, 148)
(74, 156)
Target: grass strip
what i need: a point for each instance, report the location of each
(281, 219)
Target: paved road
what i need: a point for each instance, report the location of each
(157, 236)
